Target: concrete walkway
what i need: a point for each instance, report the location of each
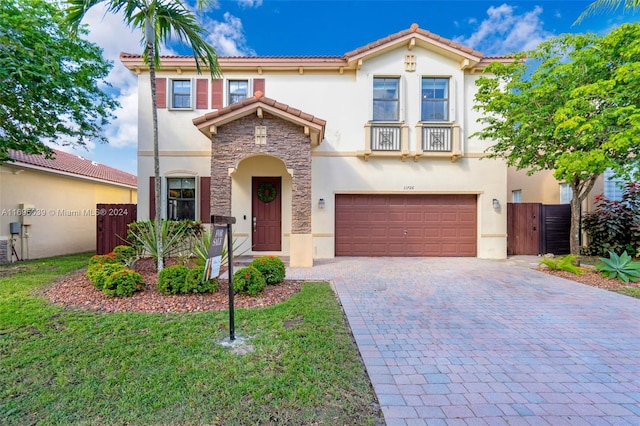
(458, 341)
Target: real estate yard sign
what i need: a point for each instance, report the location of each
(212, 266)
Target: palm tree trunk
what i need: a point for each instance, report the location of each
(156, 156)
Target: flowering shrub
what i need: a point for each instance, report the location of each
(614, 225)
(103, 258)
(124, 282)
(271, 268)
(100, 273)
(125, 254)
(248, 281)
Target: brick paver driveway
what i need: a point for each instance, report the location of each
(481, 342)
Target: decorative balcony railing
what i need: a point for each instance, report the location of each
(432, 140)
(386, 138)
(437, 139)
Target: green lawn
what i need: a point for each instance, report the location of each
(73, 367)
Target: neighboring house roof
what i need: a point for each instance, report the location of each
(256, 104)
(469, 58)
(74, 165)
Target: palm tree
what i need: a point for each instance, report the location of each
(607, 4)
(159, 20)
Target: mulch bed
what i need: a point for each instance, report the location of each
(76, 291)
(592, 278)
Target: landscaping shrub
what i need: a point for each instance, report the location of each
(123, 283)
(125, 254)
(271, 268)
(563, 263)
(172, 278)
(248, 281)
(103, 258)
(177, 237)
(622, 267)
(195, 283)
(102, 272)
(614, 226)
(179, 279)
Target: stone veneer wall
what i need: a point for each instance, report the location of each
(236, 140)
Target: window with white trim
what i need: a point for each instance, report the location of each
(386, 99)
(181, 94)
(237, 90)
(516, 196)
(181, 198)
(613, 186)
(566, 193)
(435, 99)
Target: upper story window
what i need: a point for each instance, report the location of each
(566, 193)
(516, 196)
(386, 102)
(181, 94)
(181, 198)
(613, 186)
(238, 90)
(435, 99)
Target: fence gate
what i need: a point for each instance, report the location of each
(556, 229)
(111, 225)
(534, 228)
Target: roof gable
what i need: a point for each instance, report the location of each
(313, 126)
(75, 165)
(411, 37)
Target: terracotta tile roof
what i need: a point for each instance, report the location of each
(125, 55)
(71, 163)
(343, 60)
(413, 30)
(259, 97)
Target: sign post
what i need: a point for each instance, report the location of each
(219, 222)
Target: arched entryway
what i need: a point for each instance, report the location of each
(260, 138)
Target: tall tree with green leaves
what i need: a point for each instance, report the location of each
(572, 106)
(607, 5)
(160, 21)
(49, 84)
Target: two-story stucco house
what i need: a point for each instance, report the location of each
(365, 154)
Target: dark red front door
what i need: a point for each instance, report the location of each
(266, 214)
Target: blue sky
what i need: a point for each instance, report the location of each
(323, 27)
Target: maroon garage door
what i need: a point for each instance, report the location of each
(406, 225)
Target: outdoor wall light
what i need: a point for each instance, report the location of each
(496, 203)
(321, 203)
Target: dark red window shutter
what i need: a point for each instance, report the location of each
(202, 89)
(152, 198)
(161, 92)
(258, 85)
(217, 89)
(205, 199)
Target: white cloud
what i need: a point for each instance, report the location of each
(123, 132)
(250, 3)
(227, 37)
(110, 33)
(504, 31)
